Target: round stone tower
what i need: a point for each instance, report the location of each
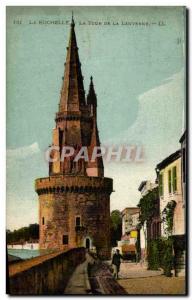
(74, 201)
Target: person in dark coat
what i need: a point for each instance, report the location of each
(116, 262)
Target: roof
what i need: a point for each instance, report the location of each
(168, 160)
(142, 184)
(183, 137)
(131, 210)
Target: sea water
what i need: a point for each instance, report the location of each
(24, 253)
(27, 253)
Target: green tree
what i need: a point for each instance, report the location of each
(116, 227)
(147, 205)
(23, 234)
(168, 215)
(34, 231)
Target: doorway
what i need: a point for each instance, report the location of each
(87, 243)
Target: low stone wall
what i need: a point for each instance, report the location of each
(44, 275)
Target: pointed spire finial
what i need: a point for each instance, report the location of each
(72, 96)
(72, 20)
(91, 78)
(91, 97)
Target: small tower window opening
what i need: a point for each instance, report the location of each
(65, 239)
(87, 243)
(78, 221)
(43, 221)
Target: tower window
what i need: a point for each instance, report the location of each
(78, 221)
(65, 240)
(43, 221)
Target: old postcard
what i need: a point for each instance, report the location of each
(96, 151)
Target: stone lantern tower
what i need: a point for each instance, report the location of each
(74, 201)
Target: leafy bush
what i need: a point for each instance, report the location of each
(115, 227)
(168, 214)
(153, 256)
(147, 205)
(160, 254)
(167, 256)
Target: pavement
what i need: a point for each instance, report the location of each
(133, 270)
(79, 283)
(133, 279)
(157, 285)
(100, 280)
(136, 279)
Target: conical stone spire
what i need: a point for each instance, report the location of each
(95, 167)
(91, 97)
(72, 92)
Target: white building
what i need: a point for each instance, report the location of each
(170, 191)
(130, 218)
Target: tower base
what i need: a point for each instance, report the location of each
(74, 211)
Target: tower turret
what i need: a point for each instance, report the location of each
(95, 167)
(91, 97)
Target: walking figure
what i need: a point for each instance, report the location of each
(116, 261)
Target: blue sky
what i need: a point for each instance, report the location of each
(138, 73)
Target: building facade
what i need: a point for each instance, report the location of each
(183, 142)
(170, 191)
(129, 219)
(74, 201)
(172, 188)
(127, 244)
(151, 229)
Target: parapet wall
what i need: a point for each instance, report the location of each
(78, 184)
(44, 275)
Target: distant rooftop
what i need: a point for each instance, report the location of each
(131, 210)
(183, 137)
(142, 184)
(171, 158)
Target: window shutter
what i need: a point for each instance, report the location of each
(174, 178)
(169, 181)
(161, 184)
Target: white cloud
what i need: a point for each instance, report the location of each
(158, 127)
(23, 152)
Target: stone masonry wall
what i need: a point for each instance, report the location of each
(58, 212)
(44, 275)
(64, 198)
